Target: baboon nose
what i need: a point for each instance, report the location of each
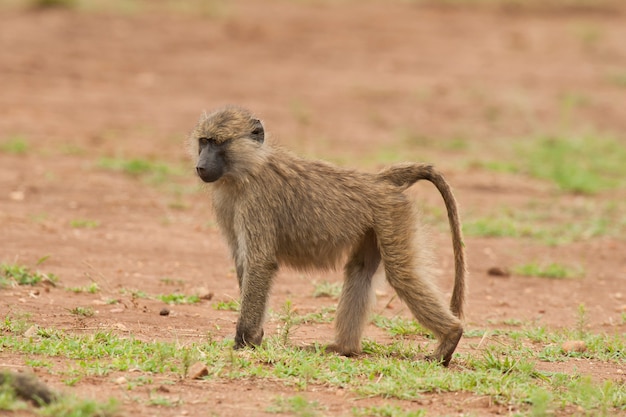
(200, 170)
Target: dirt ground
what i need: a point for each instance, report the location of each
(335, 80)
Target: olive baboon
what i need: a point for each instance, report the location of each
(277, 209)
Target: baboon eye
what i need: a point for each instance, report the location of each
(205, 141)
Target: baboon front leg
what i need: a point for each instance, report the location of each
(356, 296)
(256, 283)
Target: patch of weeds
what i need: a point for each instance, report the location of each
(412, 139)
(584, 165)
(327, 289)
(231, 305)
(15, 323)
(551, 270)
(72, 149)
(505, 362)
(504, 371)
(213, 9)
(70, 406)
(582, 320)
(512, 322)
(179, 298)
(16, 146)
(399, 326)
(591, 395)
(553, 223)
(134, 293)
(541, 403)
(179, 204)
(296, 405)
(589, 36)
(162, 401)
(581, 165)
(502, 226)
(11, 275)
(288, 320)
(84, 224)
(326, 315)
(39, 218)
(171, 281)
(618, 80)
(46, 4)
(92, 288)
(153, 172)
(386, 410)
(82, 311)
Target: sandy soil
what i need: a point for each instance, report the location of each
(340, 81)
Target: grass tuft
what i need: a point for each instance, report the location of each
(550, 270)
(16, 146)
(327, 289)
(11, 275)
(581, 165)
(179, 298)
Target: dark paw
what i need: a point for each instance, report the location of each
(341, 350)
(243, 340)
(445, 361)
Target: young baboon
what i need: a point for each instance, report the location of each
(276, 209)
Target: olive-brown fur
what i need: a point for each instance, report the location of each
(277, 209)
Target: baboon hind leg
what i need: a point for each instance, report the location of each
(414, 286)
(356, 296)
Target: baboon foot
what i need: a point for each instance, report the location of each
(342, 350)
(446, 348)
(245, 339)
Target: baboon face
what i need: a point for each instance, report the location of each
(217, 135)
(211, 159)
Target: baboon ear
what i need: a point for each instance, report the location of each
(258, 133)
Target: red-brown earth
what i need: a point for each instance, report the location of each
(345, 81)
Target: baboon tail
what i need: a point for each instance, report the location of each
(405, 175)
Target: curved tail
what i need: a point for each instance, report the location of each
(406, 174)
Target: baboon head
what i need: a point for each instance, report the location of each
(224, 143)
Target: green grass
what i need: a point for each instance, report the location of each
(386, 411)
(230, 305)
(65, 4)
(153, 172)
(296, 406)
(15, 145)
(179, 298)
(83, 311)
(499, 365)
(172, 281)
(327, 289)
(550, 270)
(12, 275)
(84, 224)
(92, 288)
(553, 222)
(618, 80)
(581, 165)
(400, 326)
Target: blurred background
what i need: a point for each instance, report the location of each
(520, 103)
